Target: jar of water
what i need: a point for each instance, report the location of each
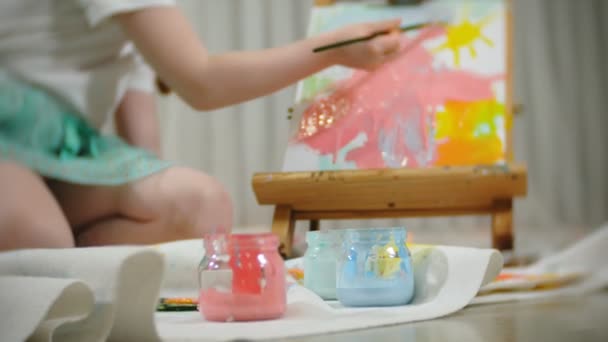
(320, 263)
(374, 268)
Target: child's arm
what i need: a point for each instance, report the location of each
(170, 45)
(136, 120)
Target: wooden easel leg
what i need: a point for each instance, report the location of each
(283, 225)
(502, 225)
(315, 225)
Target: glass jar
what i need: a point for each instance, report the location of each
(320, 263)
(374, 268)
(242, 278)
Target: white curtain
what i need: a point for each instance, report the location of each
(561, 79)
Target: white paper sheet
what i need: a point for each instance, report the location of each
(123, 281)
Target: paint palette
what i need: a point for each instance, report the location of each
(440, 102)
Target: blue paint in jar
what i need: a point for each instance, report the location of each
(374, 268)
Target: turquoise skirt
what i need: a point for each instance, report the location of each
(41, 132)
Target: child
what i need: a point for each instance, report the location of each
(66, 66)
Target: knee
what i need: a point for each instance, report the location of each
(200, 203)
(16, 221)
(15, 171)
(22, 227)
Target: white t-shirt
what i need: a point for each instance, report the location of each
(70, 48)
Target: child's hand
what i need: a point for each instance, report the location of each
(372, 53)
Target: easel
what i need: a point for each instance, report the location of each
(395, 193)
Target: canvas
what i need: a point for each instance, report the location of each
(441, 102)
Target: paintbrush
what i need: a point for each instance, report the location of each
(368, 37)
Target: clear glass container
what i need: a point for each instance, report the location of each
(320, 263)
(374, 268)
(242, 278)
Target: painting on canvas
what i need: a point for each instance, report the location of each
(441, 102)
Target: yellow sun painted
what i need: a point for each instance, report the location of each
(464, 35)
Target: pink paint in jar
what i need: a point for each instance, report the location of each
(242, 278)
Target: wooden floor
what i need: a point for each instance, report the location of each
(556, 320)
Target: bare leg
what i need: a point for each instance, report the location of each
(29, 215)
(176, 204)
